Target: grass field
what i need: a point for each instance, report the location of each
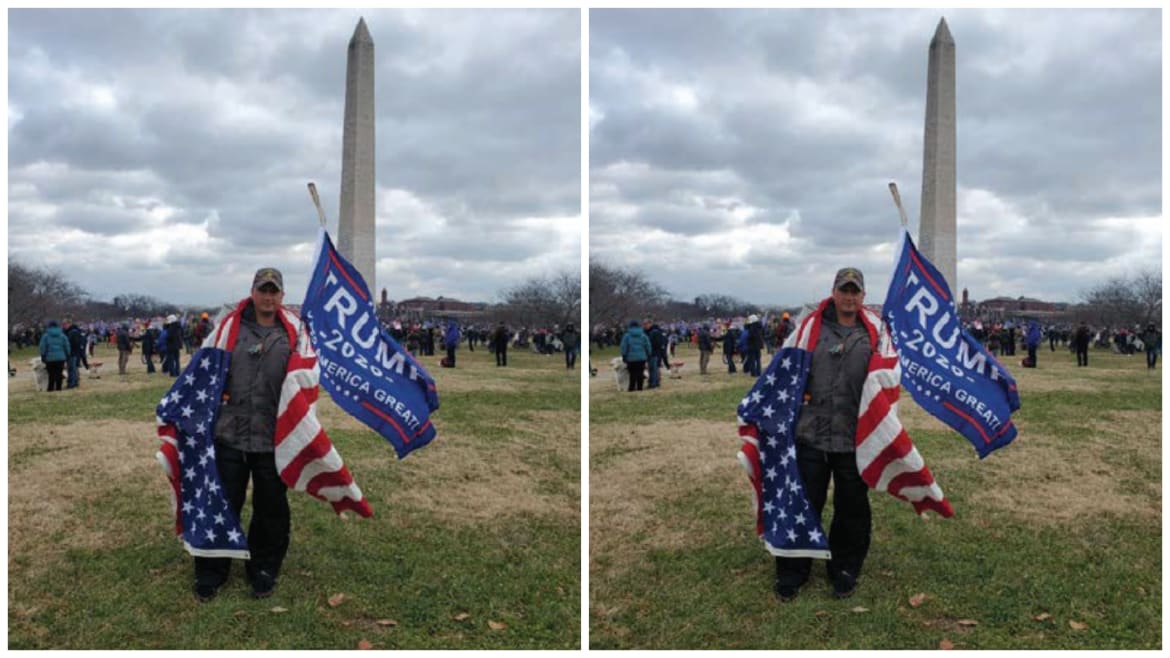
(474, 543)
(1056, 542)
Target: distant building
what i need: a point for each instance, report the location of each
(426, 308)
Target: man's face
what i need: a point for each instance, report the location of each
(849, 298)
(267, 298)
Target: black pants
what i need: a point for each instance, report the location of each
(850, 532)
(1032, 356)
(56, 374)
(268, 532)
(501, 356)
(450, 357)
(1151, 357)
(637, 374)
(1082, 356)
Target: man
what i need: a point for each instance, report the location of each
(125, 347)
(1032, 343)
(244, 439)
(450, 342)
(499, 344)
(569, 340)
(706, 347)
(755, 344)
(202, 330)
(1152, 343)
(173, 345)
(658, 356)
(76, 354)
(730, 339)
(825, 440)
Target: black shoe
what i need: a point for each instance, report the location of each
(786, 592)
(844, 585)
(204, 593)
(263, 585)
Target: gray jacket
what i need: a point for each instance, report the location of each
(828, 419)
(247, 419)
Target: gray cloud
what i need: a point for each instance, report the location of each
(177, 143)
(801, 117)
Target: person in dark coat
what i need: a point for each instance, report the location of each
(1081, 339)
(570, 339)
(706, 347)
(125, 347)
(499, 345)
(1152, 343)
(77, 358)
(658, 355)
(174, 345)
(730, 339)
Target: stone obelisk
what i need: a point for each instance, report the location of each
(936, 233)
(355, 231)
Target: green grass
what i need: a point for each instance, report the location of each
(100, 568)
(1063, 525)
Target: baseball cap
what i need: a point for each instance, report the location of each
(268, 275)
(849, 275)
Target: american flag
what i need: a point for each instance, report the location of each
(886, 458)
(785, 520)
(186, 417)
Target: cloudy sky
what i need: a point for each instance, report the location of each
(748, 152)
(166, 152)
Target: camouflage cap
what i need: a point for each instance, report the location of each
(849, 275)
(268, 275)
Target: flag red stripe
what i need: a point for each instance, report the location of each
(898, 448)
(926, 275)
(378, 412)
(971, 421)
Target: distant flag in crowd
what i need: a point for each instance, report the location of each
(768, 417)
(186, 418)
(366, 372)
(947, 370)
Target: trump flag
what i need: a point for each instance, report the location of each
(947, 371)
(365, 371)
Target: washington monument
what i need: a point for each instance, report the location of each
(936, 232)
(355, 230)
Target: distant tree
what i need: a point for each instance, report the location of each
(142, 306)
(542, 301)
(618, 294)
(1125, 301)
(722, 306)
(36, 295)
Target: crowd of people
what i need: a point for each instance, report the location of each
(647, 346)
(66, 347)
(422, 337)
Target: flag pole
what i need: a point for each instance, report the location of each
(893, 192)
(321, 211)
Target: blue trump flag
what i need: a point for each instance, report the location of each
(367, 373)
(947, 371)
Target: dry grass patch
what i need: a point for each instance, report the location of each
(1042, 480)
(488, 482)
(643, 466)
(55, 469)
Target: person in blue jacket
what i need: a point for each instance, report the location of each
(635, 352)
(54, 353)
(451, 341)
(1031, 342)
